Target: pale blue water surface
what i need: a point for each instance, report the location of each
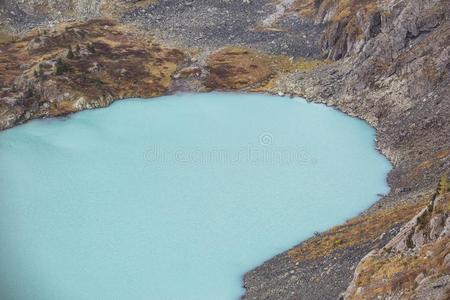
(174, 198)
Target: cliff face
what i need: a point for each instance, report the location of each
(384, 61)
(399, 82)
(350, 24)
(415, 263)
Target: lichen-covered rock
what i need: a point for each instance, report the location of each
(400, 85)
(398, 81)
(391, 68)
(23, 15)
(414, 264)
(350, 24)
(80, 66)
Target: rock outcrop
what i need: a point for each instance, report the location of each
(384, 61)
(350, 24)
(78, 66)
(415, 264)
(398, 82)
(23, 15)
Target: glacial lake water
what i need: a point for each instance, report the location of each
(175, 197)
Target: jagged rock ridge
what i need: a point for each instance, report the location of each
(388, 63)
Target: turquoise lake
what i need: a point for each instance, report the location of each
(175, 197)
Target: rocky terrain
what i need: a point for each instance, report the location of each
(384, 61)
(80, 65)
(415, 263)
(213, 24)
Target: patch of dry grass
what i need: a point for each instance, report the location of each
(342, 8)
(395, 273)
(5, 37)
(241, 68)
(284, 65)
(237, 68)
(109, 61)
(426, 165)
(356, 231)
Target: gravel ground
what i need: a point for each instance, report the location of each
(398, 83)
(214, 24)
(191, 23)
(325, 278)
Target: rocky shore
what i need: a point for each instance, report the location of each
(386, 62)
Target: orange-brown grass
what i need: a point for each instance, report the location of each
(389, 272)
(242, 68)
(425, 165)
(5, 37)
(345, 8)
(237, 68)
(109, 61)
(283, 65)
(357, 231)
(344, 12)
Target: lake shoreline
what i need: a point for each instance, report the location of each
(241, 160)
(398, 84)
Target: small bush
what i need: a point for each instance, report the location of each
(41, 71)
(61, 67)
(443, 186)
(91, 48)
(70, 53)
(97, 81)
(29, 93)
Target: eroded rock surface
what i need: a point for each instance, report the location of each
(80, 66)
(415, 264)
(397, 80)
(385, 61)
(218, 23)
